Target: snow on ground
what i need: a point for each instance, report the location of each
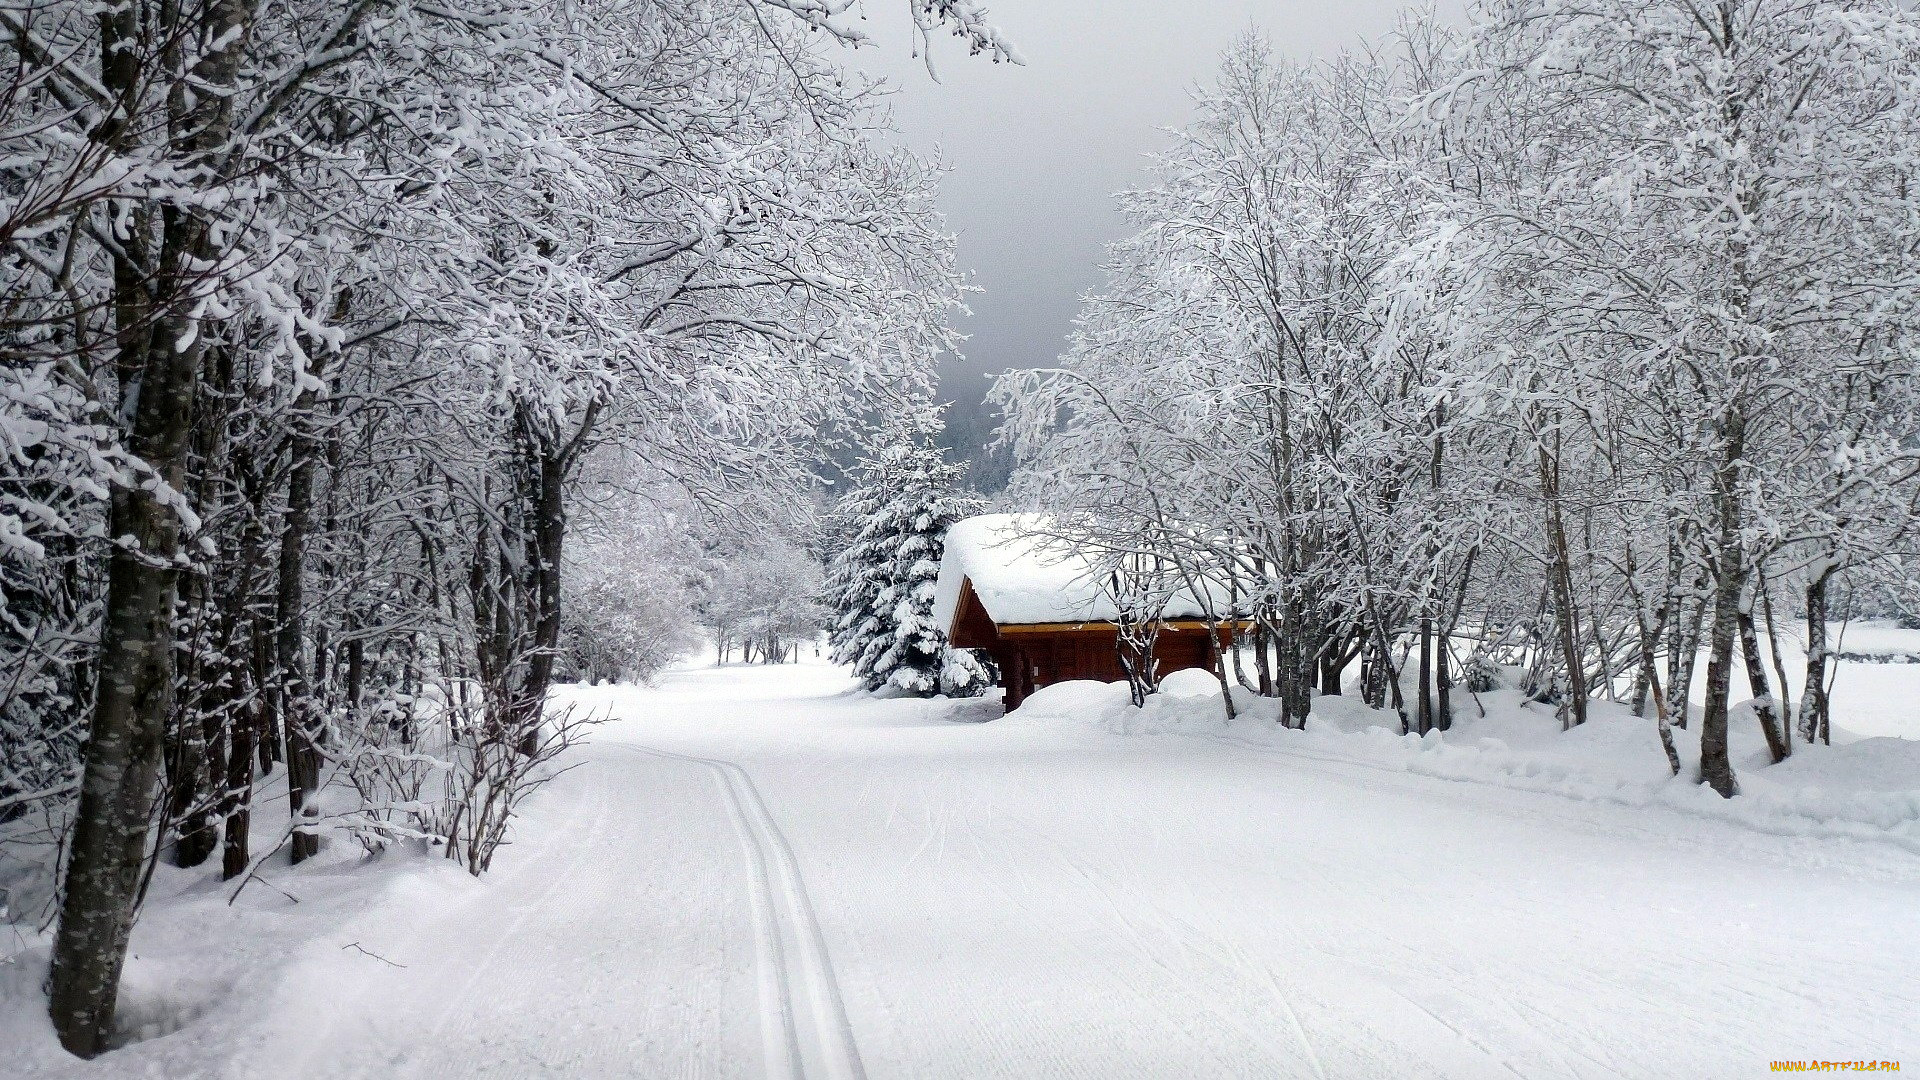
(1862, 788)
(1870, 699)
(753, 871)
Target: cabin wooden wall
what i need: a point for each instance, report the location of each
(1029, 660)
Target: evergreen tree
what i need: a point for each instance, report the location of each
(903, 500)
(862, 571)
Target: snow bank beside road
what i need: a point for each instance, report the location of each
(1866, 790)
(206, 977)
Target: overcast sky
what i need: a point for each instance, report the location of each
(1035, 152)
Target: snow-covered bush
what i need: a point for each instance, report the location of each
(1482, 674)
(438, 771)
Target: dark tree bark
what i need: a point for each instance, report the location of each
(1134, 641)
(546, 466)
(545, 549)
(356, 688)
(247, 649)
(1424, 712)
(1262, 635)
(1299, 652)
(1335, 653)
(160, 345)
(134, 696)
(1443, 667)
(236, 800)
(194, 739)
(296, 701)
(267, 733)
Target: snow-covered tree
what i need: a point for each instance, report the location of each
(1587, 332)
(762, 600)
(316, 313)
(904, 498)
(630, 610)
(1698, 233)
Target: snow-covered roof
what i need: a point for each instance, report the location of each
(1023, 576)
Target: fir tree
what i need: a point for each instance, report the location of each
(903, 500)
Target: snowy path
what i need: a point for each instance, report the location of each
(1023, 900)
(750, 874)
(804, 1028)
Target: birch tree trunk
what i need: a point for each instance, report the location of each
(1716, 768)
(1813, 700)
(1560, 571)
(1764, 706)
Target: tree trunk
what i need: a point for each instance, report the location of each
(236, 800)
(1764, 707)
(356, 672)
(1299, 658)
(1133, 644)
(1660, 711)
(544, 551)
(1813, 699)
(1261, 664)
(1443, 668)
(1785, 710)
(1240, 669)
(189, 776)
(1560, 570)
(1650, 679)
(133, 697)
(1686, 657)
(1333, 658)
(1716, 769)
(1649, 672)
(296, 708)
(1425, 712)
(1219, 665)
(159, 362)
(266, 731)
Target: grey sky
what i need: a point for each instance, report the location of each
(1036, 151)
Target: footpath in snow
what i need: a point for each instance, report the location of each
(752, 872)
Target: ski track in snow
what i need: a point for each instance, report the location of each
(806, 1032)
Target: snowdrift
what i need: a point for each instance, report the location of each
(1863, 789)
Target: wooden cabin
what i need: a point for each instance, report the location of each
(1038, 610)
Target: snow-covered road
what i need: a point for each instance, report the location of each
(751, 873)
